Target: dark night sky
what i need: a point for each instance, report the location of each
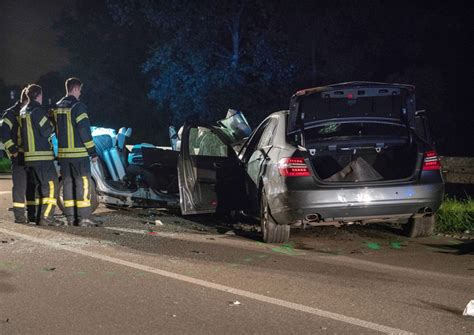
(28, 41)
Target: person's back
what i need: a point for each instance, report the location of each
(36, 131)
(75, 146)
(72, 129)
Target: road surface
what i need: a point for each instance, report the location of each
(203, 275)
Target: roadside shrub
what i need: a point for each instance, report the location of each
(5, 165)
(455, 216)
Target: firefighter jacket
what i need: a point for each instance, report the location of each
(73, 129)
(10, 129)
(36, 130)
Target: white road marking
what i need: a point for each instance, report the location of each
(214, 286)
(5, 192)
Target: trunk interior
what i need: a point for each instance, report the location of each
(345, 163)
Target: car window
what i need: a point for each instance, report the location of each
(254, 140)
(267, 135)
(203, 142)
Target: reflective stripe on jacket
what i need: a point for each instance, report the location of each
(10, 129)
(72, 129)
(36, 130)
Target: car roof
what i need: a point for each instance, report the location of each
(353, 84)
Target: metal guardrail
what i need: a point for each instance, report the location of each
(458, 170)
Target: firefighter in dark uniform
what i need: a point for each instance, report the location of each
(75, 146)
(21, 178)
(36, 131)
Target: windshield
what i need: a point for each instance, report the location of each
(235, 126)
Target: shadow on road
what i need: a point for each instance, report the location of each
(462, 248)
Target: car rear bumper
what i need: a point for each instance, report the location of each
(355, 204)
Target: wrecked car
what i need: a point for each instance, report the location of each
(348, 153)
(145, 175)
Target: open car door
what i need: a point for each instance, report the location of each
(211, 177)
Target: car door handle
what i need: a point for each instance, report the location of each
(217, 165)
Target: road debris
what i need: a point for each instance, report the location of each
(159, 223)
(48, 269)
(230, 233)
(469, 310)
(198, 252)
(373, 245)
(235, 303)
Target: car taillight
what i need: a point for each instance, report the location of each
(431, 161)
(293, 167)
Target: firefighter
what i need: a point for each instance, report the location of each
(36, 131)
(21, 178)
(75, 146)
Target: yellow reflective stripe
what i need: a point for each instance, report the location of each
(73, 155)
(38, 153)
(19, 204)
(33, 202)
(69, 203)
(71, 150)
(83, 204)
(70, 130)
(85, 181)
(89, 144)
(81, 117)
(51, 201)
(8, 122)
(8, 144)
(31, 135)
(43, 121)
(39, 158)
(62, 110)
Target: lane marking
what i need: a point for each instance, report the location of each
(5, 192)
(218, 287)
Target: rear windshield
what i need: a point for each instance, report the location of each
(355, 129)
(324, 106)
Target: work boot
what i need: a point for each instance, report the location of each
(50, 222)
(21, 219)
(88, 223)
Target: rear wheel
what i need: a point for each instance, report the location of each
(271, 231)
(420, 227)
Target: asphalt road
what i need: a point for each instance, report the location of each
(204, 275)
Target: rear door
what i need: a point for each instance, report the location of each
(257, 159)
(211, 177)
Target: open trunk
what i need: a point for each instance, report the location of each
(364, 162)
(357, 132)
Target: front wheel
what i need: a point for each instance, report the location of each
(271, 231)
(420, 227)
(93, 195)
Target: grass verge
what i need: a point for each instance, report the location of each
(455, 216)
(5, 165)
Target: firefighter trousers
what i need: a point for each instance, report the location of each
(76, 178)
(46, 182)
(23, 189)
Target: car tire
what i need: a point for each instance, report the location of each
(420, 227)
(271, 231)
(94, 198)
